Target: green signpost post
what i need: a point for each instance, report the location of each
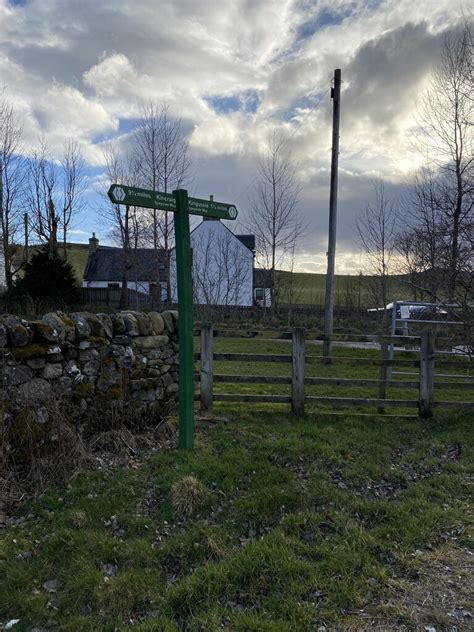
(179, 203)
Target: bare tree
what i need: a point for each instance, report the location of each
(73, 183)
(161, 150)
(125, 222)
(55, 193)
(377, 229)
(423, 244)
(274, 207)
(221, 269)
(446, 120)
(12, 175)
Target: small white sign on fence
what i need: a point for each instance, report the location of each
(405, 311)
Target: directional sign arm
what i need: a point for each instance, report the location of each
(134, 196)
(212, 209)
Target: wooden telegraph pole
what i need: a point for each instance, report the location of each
(331, 254)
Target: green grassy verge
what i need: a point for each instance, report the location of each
(300, 523)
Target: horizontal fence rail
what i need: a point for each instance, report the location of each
(425, 385)
(272, 357)
(330, 381)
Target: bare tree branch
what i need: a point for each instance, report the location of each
(446, 119)
(126, 222)
(161, 150)
(221, 270)
(377, 229)
(274, 207)
(55, 192)
(12, 176)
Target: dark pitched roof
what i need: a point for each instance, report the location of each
(262, 278)
(247, 240)
(107, 264)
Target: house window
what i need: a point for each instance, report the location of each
(113, 285)
(259, 293)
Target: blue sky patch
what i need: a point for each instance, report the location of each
(325, 18)
(126, 125)
(305, 102)
(246, 102)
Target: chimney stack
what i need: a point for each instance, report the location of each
(210, 219)
(93, 244)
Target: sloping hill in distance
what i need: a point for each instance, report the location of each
(303, 288)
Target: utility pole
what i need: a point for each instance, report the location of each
(331, 254)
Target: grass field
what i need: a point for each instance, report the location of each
(297, 524)
(272, 524)
(77, 255)
(310, 289)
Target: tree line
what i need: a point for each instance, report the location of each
(426, 237)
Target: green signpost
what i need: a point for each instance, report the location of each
(133, 196)
(179, 203)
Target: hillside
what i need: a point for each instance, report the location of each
(297, 287)
(76, 254)
(352, 290)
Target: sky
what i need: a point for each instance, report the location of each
(234, 72)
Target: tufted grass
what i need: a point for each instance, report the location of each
(306, 523)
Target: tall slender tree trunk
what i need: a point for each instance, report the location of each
(454, 255)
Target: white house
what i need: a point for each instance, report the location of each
(106, 265)
(223, 268)
(222, 265)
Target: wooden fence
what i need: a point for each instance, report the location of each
(112, 296)
(425, 363)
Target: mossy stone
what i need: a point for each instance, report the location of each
(118, 324)
(81, 325)
(44, 332)
(35, 392)
(157, 323)
(107, 324)
(144, 324)
(31, 351)
(131, 324)
(167, 317)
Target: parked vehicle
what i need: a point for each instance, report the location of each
(417, 312)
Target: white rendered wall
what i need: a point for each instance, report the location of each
(138, 286)
(222, 267)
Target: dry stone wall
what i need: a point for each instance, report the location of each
(129, 359)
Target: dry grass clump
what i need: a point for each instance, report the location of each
(78, 518)
(115, 441)
(436, 594)
(189, 496)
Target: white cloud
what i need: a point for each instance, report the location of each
(82, 69)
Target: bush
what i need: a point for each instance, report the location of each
(48, 278)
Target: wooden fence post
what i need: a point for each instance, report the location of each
(383, 375)
(426, 392)
(297, 372)
(207, 366)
